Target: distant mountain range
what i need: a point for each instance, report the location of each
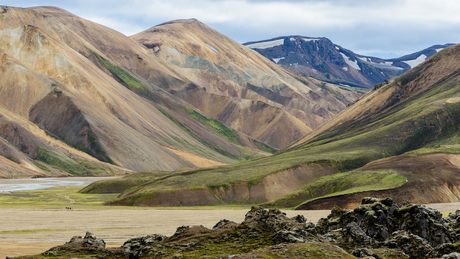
(321, 58)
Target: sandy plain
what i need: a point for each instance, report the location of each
(32, 231)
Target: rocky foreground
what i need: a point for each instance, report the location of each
(378, 228)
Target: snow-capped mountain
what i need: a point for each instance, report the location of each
(321, 58)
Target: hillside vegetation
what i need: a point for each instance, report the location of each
(404, 128)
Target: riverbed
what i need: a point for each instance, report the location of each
(11, 185)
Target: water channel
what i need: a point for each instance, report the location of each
(11, 185)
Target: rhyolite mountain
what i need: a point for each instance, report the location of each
(400, 140)
(321, 58)
(78, 98)
(238, 86)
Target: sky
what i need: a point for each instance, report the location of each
(380, 28)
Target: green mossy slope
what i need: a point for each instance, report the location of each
(418, 110)
(340, 184)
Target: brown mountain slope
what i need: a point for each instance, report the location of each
(238, 86)
(73, 79)
(404, 130)
(85, 95)
(23, 141)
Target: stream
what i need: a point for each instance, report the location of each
(11, 185)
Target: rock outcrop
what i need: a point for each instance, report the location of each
(88, 244)
(378, 228)
(414, 229)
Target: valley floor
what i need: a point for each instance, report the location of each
(33, 231)
(34, 221)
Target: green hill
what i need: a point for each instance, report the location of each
(375, 146)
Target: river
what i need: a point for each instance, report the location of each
(11, 185)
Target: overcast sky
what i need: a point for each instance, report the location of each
(382, 28)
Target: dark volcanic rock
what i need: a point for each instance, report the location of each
(89, 244)
(378, 253)
(412, 245)
(300, 219)
(133, 245)
(378, 218)
(354, 236)
(287, 230)
(424, 222)
(453, 255)
(223, 223)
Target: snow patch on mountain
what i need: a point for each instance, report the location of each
(277, 60)
(213, 49)
(385, 64)
(266, 44)
(308, 40)
(353, 64)
(417, 61)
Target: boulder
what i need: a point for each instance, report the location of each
(353, 236)
(378, 253)
(224, 223)
(410, 244)
(287, 230)
(89, 244)
(424, 222)
(138, 243)
(377, 218)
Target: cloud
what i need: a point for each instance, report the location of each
(395, 27)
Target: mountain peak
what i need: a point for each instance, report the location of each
(321, 58)
(49, 10)
(191, 21)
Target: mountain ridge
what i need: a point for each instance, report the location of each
(321, 58)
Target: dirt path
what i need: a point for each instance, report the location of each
(67, 197)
